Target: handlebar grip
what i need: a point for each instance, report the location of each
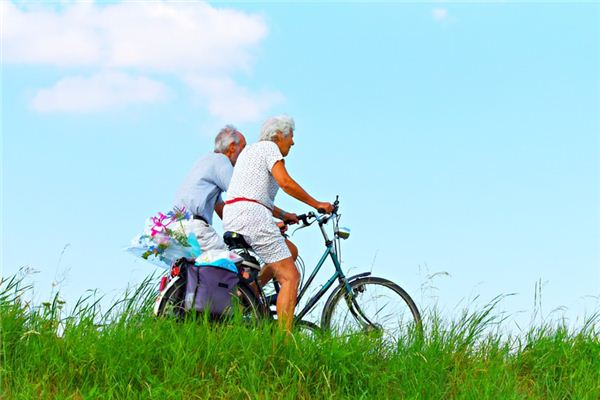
(303, 218)
(321, 211)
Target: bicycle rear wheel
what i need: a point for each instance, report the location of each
(244, 303)
(375, 306)
(171, 304)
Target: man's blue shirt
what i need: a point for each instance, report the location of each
(203, 186)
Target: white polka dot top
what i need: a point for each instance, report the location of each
(252, 177)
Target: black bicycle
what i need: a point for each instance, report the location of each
(359, 303)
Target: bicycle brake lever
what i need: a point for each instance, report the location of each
(306, 225)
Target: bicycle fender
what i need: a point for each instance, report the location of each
(161, 294)
(353, 277)
(338, 288)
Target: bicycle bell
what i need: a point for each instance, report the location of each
(342, 233)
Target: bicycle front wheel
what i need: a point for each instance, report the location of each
(373, 305)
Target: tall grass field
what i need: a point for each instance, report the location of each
(126, 353)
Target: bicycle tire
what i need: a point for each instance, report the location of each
(252, 311)
(340, 318)
(171, 304)
(308, 328)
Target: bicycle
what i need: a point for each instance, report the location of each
(360, 303)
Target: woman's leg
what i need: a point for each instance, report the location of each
(293, 249)
(266, 274)
(288, 277)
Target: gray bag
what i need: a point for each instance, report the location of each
(210, 288)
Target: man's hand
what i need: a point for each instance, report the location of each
(290, 218)
(324, 206)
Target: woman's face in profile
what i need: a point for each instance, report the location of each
(285, 143)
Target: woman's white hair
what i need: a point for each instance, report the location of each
(229, 134)
(280, 123)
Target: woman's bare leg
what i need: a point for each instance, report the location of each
(288, 277)
(293, 249)
(266, 274)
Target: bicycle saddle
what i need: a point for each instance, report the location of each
(235, 241)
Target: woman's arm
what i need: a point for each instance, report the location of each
(291, 187)
(285, 216)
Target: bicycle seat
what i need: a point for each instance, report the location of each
(235, 241)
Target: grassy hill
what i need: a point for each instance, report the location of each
(125, 353)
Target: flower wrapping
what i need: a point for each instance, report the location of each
(164, 241)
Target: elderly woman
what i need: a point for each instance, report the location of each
(249, 209)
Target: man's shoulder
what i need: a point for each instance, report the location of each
(209, 162)
(213, 158)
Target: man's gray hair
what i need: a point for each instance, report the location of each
(229, 134)
(280, 123)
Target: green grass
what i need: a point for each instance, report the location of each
(125, 353)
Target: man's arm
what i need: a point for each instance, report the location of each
(219, 208)
(222, 174)
(222, 179)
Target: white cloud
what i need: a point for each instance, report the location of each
(232, 102)
(98, 93)
(167, 39)
(440, 14)
(146, 35)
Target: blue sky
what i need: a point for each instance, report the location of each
(461, 138)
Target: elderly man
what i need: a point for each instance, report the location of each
(201, 190)
(249, 208)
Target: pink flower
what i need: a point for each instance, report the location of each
(159, 226)
(161, 238)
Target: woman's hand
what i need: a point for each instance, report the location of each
(324, 207)
(290, 218)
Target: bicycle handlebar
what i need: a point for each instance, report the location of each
(305, 217)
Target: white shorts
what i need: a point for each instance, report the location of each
(207, 237)
(255, 222)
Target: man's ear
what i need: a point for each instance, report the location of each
(231, 148)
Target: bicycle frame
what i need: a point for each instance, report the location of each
(338, 274)
(331, 251)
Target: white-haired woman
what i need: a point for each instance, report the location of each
(258, 174)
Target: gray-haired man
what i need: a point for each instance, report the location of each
(200, 192)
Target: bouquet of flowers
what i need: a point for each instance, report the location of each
(164, 239)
